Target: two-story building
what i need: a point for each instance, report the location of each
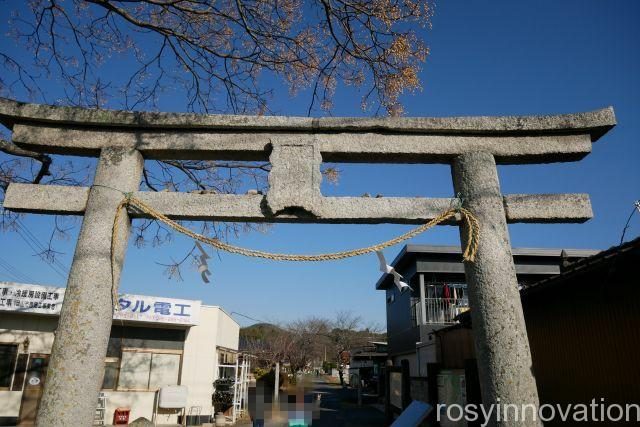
(439, 294)
(154, 342)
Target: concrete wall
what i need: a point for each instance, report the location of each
(200, 359)
(413, 362)
(228, 331)
(10, 404)
(39, 330)
(426, 353)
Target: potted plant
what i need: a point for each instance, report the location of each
(222, 398)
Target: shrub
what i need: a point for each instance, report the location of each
(222, 398)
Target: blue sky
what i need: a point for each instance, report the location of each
(487, 58)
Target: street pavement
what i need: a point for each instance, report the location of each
(338, 407)
(326, 404)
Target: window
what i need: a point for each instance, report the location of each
(141, 358)
(148, 370)
(226, 357)
(134, 370)
(111, 370)
(8, 355)
(164, 370)
(21, 372)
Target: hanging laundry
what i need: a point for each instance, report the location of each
(446, 294)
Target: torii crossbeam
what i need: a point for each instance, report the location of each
(296, 147)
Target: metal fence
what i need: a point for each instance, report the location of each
(438, 310)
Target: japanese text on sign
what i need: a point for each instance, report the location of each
(140, 308)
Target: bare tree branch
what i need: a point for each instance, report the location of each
(45, 161)
(210, 57)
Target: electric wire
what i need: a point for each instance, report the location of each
(15, 272)
(39, 249)
(636, 206)
(40, 245)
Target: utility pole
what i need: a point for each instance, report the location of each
(276, 387)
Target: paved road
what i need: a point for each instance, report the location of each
(337, 407)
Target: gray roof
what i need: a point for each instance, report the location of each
(453, 265)
(585, 263)
(516, 251)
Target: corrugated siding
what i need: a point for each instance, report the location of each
(585, 336)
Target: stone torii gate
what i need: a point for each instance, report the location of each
(295, 147)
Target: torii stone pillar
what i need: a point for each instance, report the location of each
(296, 147)
(499, 330)
(76, 367)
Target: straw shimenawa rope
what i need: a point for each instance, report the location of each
(473, 229)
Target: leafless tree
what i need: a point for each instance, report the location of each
(276, 345)
(304, 342)
(212, 56)
(310, 336)
(218, 49)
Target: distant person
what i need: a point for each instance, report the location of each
(258, 398)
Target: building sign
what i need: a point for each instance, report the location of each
(157, 309)
(30, 298)
(139, 308)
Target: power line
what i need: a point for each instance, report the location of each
(636, 206)
(40, 254)
(248, 317)
(63, 267)
(39, 249)
(15, 272)
(12, 275)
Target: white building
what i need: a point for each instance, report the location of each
(154, 342)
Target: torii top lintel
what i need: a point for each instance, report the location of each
(511, 139)
(296, 147)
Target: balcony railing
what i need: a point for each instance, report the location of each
(438, 310)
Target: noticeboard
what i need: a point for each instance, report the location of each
(173, 397)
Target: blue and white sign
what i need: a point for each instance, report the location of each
(19, 297)
(157, 309)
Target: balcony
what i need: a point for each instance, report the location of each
(438, 311)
